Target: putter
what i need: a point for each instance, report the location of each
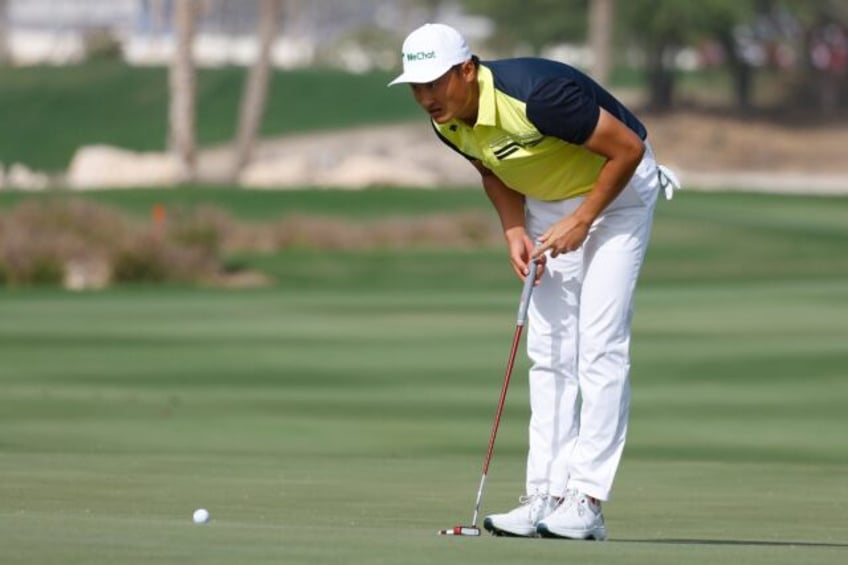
(473, 529)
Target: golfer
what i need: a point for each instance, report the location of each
(574, 182)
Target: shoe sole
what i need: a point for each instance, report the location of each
(592, 535)
(495, 531)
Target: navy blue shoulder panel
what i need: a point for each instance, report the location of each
(561, 100)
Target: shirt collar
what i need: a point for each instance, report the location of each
(486, 109)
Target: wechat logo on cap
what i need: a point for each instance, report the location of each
(420, 55)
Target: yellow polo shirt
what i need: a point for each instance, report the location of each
(533, 117)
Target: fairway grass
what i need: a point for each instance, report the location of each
(341, 416)
(59, 109)
(348, 426)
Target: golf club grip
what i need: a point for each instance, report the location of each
(529, 281)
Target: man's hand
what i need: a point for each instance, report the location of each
(521, 250)
(623, 151)
(565, 236)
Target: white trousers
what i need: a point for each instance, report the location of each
(579, 339)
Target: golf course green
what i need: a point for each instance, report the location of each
(341, 415)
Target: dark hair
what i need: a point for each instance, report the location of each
(474, 59)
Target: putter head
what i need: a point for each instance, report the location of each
(461, 531)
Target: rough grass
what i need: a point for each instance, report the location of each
(81, 243)
(752, 236)
(57, 109)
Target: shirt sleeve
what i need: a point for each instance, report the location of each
(561, 108)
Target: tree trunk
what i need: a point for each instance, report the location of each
(256, 86)
(743, 85)
(431, 8)
(182, 85)
(660, 79)
(601, 18)
(4, 31)
(741, 73)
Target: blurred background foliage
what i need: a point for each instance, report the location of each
(804, 42)
(774, 58)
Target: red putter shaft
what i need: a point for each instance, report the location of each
(527, 290)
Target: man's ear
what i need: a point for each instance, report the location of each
(469, 71)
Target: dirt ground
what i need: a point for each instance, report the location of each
(709, 150)
(704, 141)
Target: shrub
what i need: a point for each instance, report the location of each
(149, 258)
(34, 262)
(38, 238)
(139, 261)
(205, 227)
(442, 230)
(102, 45)
(45, 241)
(88, 245)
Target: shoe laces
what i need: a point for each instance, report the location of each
(569, 499)
(581, 502)
(532, 498)
(534, 502)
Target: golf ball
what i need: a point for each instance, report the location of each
(200, 516)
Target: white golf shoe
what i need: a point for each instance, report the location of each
(577, 517)
(521, 521)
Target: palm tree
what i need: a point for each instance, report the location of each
(256, 86)
(601, 18)
(4, 21)
(182, 92)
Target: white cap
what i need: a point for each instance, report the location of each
(430, 51)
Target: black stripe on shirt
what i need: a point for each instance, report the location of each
(507, 149)
(501, 155)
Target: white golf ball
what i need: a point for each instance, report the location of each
(200, 516)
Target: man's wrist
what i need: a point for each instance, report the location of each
(584, 215)
(515, 232)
